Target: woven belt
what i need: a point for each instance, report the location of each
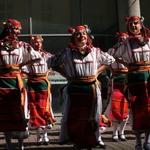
(82, 79)
(120, 71)
(142, 63)
(9, 69)
(37, 75)
(139, 68)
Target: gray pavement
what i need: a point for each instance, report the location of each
(30, 142)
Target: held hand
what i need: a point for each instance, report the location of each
(124, 63)
(29, 62)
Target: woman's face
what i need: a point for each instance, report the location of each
(135, 27)
(122, 38)
(80, 38)
(37, 45)
(15, 32)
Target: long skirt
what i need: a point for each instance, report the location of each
(139, 89)
(119, 104)
(12, 102)
(41, 113)
(82, 110)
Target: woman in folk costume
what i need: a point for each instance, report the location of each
(39, 93)
(117, 109)
(82, 104)
(135, 54)
(13, 96)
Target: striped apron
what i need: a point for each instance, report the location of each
(139, 88)
(39, 100)
(12, 99)
(120, 106)
(81, 124)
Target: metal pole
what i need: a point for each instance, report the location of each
(30, 16)
(81, 15)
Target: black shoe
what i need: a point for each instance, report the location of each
(146, 146)
(46, 143)
(76, 147)
(39, 143)
(115, 140)
(138, 147)
(122, 137)
(89, 148)
(102, 146)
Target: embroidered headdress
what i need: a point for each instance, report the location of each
(144, 31)
(8, 26)
(121, 34)
(12, 23)
(80, 28)
(36, 38)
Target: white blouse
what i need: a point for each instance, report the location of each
(132, 52)
(77, 64)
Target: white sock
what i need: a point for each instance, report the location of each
(100, 140)
(45, 136)
(38, 133)
(115, 131)
(122, 127)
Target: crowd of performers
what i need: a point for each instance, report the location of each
(25, 91)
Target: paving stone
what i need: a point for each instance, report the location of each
(30, 142)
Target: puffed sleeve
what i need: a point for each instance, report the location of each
(121, 51)
(29, 53)
(124, 52)
(47, 55)
(105, 58)
(56, 60)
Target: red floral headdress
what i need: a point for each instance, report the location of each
(144, 31)
(33, 39)
(78, 29)
(13, 23)
(36, 38)
(122, 34)
(8, 26)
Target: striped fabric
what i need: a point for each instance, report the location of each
(39, 102)
(81, 122)
(12, 96)
(139, 87)
(119, 108)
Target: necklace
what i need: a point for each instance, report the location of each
(9, 43)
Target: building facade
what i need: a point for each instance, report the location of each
(52, 18)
